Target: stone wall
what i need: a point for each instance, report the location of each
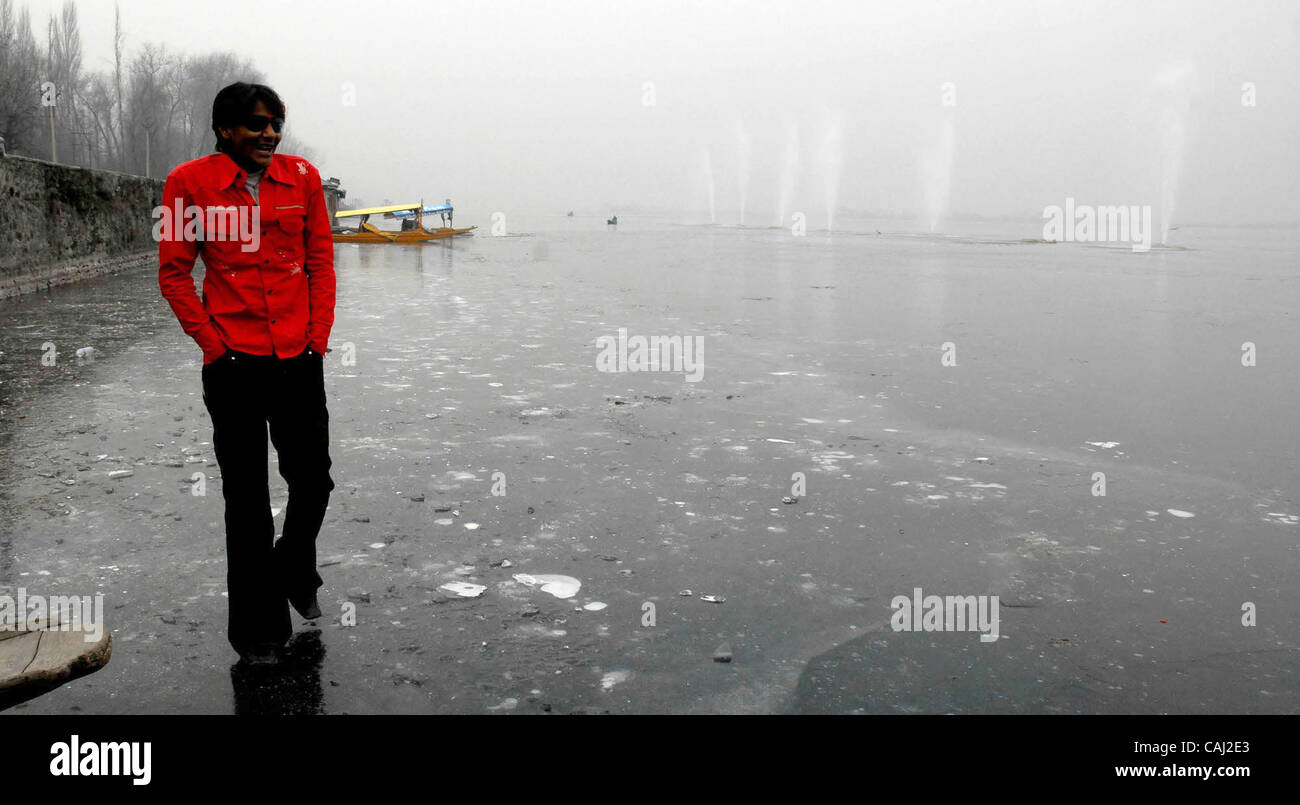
(60, 223)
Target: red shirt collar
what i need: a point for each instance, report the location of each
(225, 171)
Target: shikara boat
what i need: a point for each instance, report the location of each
(412, 231)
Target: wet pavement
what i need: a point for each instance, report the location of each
(475, 371)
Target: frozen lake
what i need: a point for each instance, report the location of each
(822, 356)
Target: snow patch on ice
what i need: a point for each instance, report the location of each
(463, 588)
(558, 586)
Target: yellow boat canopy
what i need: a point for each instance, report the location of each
(376, 210)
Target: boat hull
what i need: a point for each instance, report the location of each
(413, 236)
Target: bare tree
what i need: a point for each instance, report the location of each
(149, 109)
(100, 107)
(63, 69)
(149, 112)
(20, 110)
(206, 75)
(119, 44)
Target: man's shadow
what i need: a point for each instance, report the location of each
(289, 688)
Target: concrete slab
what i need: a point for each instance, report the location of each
(35, 662)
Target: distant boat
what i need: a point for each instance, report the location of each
(612, 221)
(570, 213)
(412, 231)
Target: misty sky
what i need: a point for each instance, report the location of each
(543, 106)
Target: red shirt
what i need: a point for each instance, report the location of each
(275, 299)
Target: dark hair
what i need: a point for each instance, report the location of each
(236, 102)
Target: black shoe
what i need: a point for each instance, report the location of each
(260, 655)
(308, 606)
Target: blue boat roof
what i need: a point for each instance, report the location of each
(431, 209)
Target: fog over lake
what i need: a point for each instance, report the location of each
(597, 107)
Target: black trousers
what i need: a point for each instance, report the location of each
(244, 395)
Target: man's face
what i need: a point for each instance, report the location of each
(252, 149)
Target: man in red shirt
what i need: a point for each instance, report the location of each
(259, 221)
